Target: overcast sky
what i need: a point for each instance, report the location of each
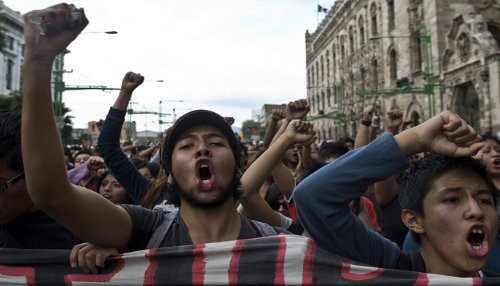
(229, 56)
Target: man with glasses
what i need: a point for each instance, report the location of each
(22, 224)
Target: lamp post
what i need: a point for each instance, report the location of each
(427, 89)
(160, 103)
(60, 86)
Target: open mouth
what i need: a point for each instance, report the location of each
(204, 172)
(496, 163)
(107, 196)
(476, 237)
(478, 245)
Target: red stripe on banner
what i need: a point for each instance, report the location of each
(120, 264)
(234, 263)
(477, 281)
(279, 279)
(307, 275)
(347, 274)
(199, 264)
(150, 273)
(27, 272)
(422, 280)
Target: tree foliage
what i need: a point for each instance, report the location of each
(251, 128)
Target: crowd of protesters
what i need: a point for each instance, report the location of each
(433, 185)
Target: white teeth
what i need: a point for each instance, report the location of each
(477, 230)
(204, 165)
(205, 181)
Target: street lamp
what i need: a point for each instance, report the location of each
(60, 86)
(160, 122)
(105, 32)
(427, 89)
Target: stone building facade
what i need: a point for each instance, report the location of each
(418, 56)
(11, 56)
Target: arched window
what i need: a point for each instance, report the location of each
(375, 74)
(495, 31)
(391, 15)
(334, 59)
(312, 76)
(322, 69)
(351, 40)
(393, 65)
(342, 50)
(317, 74)
(327, 64)
(322, 101)
(417, 52)
(309, 77)
(329, 96)
(373, 15)
(361, 31)
(363, 78)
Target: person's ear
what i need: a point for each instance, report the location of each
(413, 221)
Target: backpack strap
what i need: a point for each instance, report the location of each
(264, 229)
(160, 232)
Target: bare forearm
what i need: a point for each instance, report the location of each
(122, 100)
(270, 131)
(284, 125)
(362, 137)
(284, 180)
(39, 133)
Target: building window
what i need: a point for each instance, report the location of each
(317, 74)
(322, 69)
(8, 74)
(334, 59)
(391, 14)
(393, 66)
(363, 78)
(417, 52)
(312, 77)
(342, 50)
(329, 96)
(327, 64)
(322, 101)
(373, 14)
(351, 40)
(361, 31)
(351, 78)
(375, 74)
(309, 77)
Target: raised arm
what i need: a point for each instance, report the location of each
(276, 116)
(255, 175)
(109, 141)
(47, 33)
(363, 134)
(322, 198)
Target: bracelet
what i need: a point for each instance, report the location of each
(366, 123)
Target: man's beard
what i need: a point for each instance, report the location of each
(225, 193)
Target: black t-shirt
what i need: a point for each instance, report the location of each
(145, 222)
(36, 231)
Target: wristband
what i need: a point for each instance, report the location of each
(366, 123)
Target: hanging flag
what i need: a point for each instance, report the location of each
(321, 9)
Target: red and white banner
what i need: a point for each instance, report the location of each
(279, 260)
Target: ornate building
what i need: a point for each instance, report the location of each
(418, 56)
(11, 54)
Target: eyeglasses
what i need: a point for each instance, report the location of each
(12, 181)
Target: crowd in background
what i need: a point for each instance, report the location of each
(413, 197)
